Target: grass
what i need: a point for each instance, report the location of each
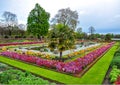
(95, 75)
(40, 71)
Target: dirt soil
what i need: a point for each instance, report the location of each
(106, 79)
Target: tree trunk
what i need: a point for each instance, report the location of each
(10, 33)
(38, 36)
(41, 38)
(60, 56)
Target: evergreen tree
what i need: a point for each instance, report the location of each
(37, 23)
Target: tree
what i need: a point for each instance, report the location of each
(61, 37)
(108, 37)
(10, 21)
(79, 33)
(37, 22)
(66, 17)
(102, 36)
(84, 35)
(91, 31)
(21, 26)
(2, 31)
(79, 30)
(116, 35)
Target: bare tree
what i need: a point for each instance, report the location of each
(10, 21)
(91, 31)
(66, 17)
(21, 26)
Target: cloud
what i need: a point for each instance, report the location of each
(82, 12)
(99, 13)
(117, 16)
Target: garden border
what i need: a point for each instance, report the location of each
(66, 78)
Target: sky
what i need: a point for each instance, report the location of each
(103, 15)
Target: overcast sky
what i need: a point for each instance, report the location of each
(103, 15)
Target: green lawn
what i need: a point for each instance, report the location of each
(40, 71)
(94, 76)
(97, 73)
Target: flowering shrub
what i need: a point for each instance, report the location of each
(75, 66)
(19, 43)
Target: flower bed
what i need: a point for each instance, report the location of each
(70, 57)
(115, 75)
(82, 51)
(73, 67)
(117, 82)
(20, 43)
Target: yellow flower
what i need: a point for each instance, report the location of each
(28, 52)
(4, 49)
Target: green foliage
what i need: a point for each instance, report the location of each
(108, 37)
(116, 61)
(80, 34)
(4, 67)
(114, 74)
(117, 53)
(37, 23)
(19, 77)
(61, 37)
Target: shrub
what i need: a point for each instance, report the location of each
(117, 54)
(6, 36)
(4, 67)
(19, 77)
(24, 36)
(31, 36)
(16, 36)
(114, 74)
(116, 61)
(45, 49)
